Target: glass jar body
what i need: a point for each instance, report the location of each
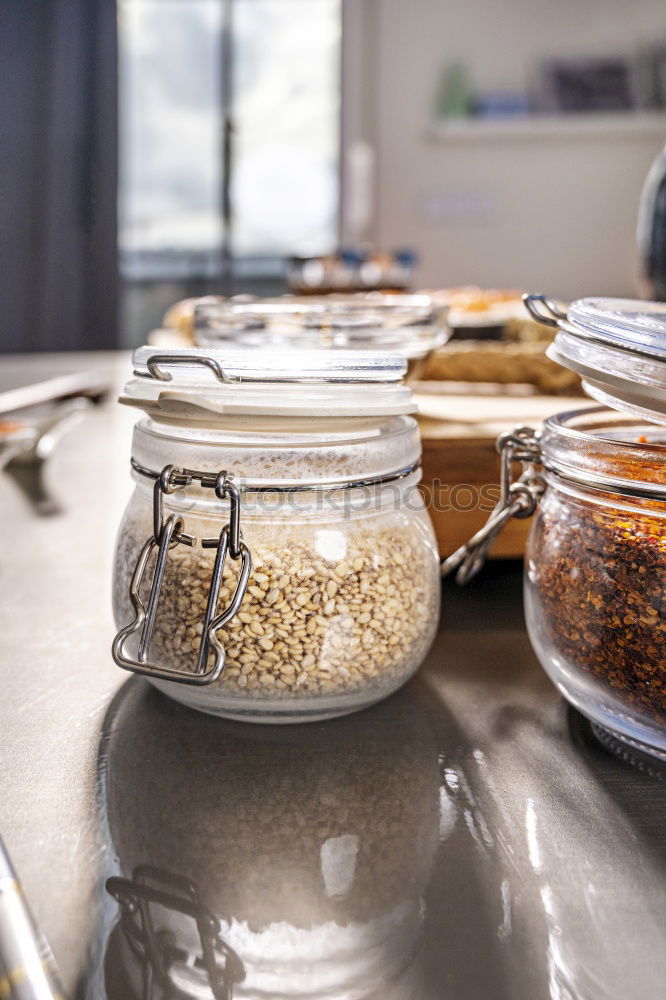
(341, 607)
(595, 592)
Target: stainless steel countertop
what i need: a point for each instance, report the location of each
(480, 843)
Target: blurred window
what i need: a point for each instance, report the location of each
(259, 76)
(284, 188)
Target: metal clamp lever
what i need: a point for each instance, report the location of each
(167, 534)
(544, 310)
(155, 360)
(517, 499)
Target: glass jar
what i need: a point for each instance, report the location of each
(410, 325)
(276, 561)
(595, 581)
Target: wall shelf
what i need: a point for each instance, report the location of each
(562, 126)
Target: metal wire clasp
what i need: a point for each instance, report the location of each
(518, 498)
(142, 898)
(166, 535)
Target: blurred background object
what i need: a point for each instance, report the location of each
(58, 173)
(652, 232)
(598, 84)
(229, 128)
(411, 325)
(33, 418)
(495, 343)
(353, 270)
(262, 143)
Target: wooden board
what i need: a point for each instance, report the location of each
(461, 464)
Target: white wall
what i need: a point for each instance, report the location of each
(556, 214)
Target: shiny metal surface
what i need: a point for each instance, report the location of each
(466, 839)
(165, 535)
(27, 969)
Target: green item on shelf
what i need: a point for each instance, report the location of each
(453, 99)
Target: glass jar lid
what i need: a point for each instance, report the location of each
(617, 346)
(202, 384)
(411, 325)
(627, 323)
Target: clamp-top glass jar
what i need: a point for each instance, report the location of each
(595, 580)
(275, 562)
(412, 326)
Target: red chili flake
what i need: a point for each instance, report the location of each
(600, 577)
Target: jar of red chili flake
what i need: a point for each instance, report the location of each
(595, 567)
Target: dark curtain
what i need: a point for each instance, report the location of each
(58, 175)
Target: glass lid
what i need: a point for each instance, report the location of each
(195, 366)
(194, 382)
(632, 324)
(617, 346)
(410, 324)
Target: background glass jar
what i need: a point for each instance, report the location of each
(596, 571)
(342, 598)
(410, 325)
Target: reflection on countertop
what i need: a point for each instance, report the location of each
(312, 845)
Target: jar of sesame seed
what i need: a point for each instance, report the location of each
(275, 562)
(595, 568)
